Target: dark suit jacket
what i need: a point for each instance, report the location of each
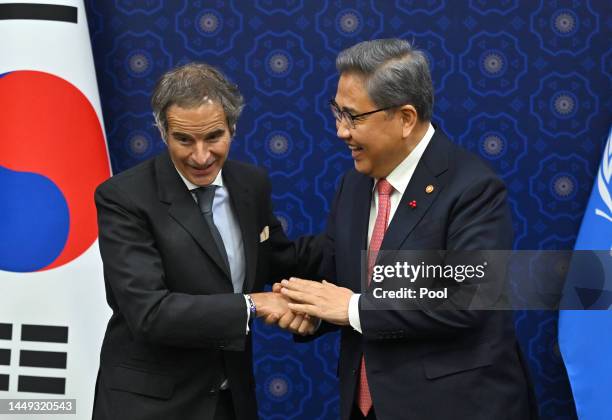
(456, 364)
(177, 329)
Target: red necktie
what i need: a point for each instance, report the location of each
(384, 190)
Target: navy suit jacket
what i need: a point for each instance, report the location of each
(459, 364)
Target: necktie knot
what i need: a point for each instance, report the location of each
(384, 187)
(205, 197)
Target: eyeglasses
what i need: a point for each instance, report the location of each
(351, 119)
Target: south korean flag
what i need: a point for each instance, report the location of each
(52, 156)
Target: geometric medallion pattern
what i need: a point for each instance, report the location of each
(525, 85)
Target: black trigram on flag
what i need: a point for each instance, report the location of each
(31, 357)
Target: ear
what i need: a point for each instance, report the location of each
(160, 127)
(409, 119)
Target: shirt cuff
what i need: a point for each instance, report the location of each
(353, 312)
(248, 309)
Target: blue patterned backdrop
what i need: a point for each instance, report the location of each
(525, 84)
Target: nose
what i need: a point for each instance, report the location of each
(200, 153)
(342, 129)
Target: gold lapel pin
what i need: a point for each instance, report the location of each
(429, 189)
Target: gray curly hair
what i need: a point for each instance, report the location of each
(192, 85)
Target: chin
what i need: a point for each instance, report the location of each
(363, 168)
(201, 180)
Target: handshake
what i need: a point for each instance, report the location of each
(299, 305)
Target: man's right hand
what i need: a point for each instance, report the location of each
(295, 323)
(273, 307)
(270, 304)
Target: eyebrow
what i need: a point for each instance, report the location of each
(347, 108)
(350, 110)
(181, 134)
(215, 133)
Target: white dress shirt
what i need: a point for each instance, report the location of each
(229, 229)
(399, 179)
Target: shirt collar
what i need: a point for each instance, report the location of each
(400, 176)
(191, 186)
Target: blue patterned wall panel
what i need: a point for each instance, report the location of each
(525, 84)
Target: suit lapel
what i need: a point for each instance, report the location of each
(359, 221)
(242, 205)
(406, 217)
(433, 163)
(183, 208)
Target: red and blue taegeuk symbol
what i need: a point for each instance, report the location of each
(52, 157)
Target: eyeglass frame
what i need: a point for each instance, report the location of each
(350, 117)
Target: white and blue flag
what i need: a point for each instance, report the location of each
(585, 336)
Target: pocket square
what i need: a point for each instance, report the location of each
(264, 234)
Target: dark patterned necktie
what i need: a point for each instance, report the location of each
(205, 196)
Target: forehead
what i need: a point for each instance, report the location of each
(351, 91)
(207, 115)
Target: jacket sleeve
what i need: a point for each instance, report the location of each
(479, 220)
(137, 290)
(299, 258)
(326, 263)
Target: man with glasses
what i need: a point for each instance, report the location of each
(411, 189)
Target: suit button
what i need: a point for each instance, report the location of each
(212, 391)
(353, 371)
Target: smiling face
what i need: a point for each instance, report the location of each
(198, 141)
(379, 142)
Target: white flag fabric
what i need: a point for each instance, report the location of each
(52, 156)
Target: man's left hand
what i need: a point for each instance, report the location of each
(322, 300)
